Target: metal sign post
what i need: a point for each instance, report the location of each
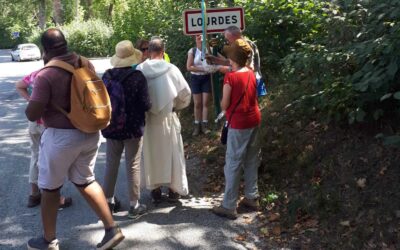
(203, 30)
(210, 21)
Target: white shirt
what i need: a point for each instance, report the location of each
(197, 61)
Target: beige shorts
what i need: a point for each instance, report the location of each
(67, 153)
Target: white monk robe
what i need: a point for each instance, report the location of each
(163, 155)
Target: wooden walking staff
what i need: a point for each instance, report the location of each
(216, 92)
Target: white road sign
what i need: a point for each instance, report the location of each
(218, 19)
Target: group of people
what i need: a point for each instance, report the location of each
(149, 132)
(240, 62)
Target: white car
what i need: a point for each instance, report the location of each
(26, 51)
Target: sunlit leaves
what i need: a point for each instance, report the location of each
(361, 52)
(397, 95)
(386, 96)
(392, 140)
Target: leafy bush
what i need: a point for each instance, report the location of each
(90, 38)
(35, 35)
(349, 71)
(278, 25)
(131, 24)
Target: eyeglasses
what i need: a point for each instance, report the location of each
(144, 49)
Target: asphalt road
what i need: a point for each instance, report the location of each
(188, 225)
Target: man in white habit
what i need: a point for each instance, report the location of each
(164, 160)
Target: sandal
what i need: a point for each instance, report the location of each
(67, 202)
(156, 194)
(173, 196)
(34, 200)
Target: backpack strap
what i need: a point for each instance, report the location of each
(65, 66)
(126, 75)
(194, 49)
(83, 61)
(60, 64)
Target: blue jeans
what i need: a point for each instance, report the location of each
(243, 151)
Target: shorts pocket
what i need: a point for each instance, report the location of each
(65, 138)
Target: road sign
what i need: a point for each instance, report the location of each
(218, 19)
(15, 34)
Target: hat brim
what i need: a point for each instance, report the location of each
(118, 62)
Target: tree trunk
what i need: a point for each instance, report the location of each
(230, 3)
(42, 14)
(110, 10)
(57, 12)
(89, 13)
(77, 14)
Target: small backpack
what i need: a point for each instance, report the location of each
(90, 103)
(114, 85)
(261, 89)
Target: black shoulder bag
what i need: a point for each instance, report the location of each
(224, 132)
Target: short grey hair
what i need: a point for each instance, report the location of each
(234, 31)
(156, 44)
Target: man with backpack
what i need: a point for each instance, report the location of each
(231, 34)
(65, 150)
(129, 96)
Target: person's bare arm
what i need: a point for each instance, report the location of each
(34, 110)
(190, 64)
(22, 89)
(226, 97)
(219, 60)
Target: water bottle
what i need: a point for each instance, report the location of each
(220, 116)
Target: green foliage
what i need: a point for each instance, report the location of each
(90, 38)
(34, 36)
(15, 18)
(354, 66)
(390, 140)
(277, 26)
(341, 56)
(161, 18)
(270, 197)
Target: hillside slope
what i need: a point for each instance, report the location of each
(323, 186)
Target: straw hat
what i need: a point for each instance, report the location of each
(239, 51)
(125, 55)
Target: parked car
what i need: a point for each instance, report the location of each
(25, 51)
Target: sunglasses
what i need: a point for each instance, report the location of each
(144, 49)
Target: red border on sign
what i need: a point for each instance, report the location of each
(186, 12)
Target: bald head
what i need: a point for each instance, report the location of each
(53, 39)
(232, 33)
(156, 47)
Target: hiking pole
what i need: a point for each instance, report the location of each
(204, 29)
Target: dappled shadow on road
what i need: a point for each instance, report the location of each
(188, 225)
(181, 228)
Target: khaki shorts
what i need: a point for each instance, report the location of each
(67, 153)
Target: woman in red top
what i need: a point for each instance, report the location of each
(242, 144)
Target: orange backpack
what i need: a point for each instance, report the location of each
(90, 102)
